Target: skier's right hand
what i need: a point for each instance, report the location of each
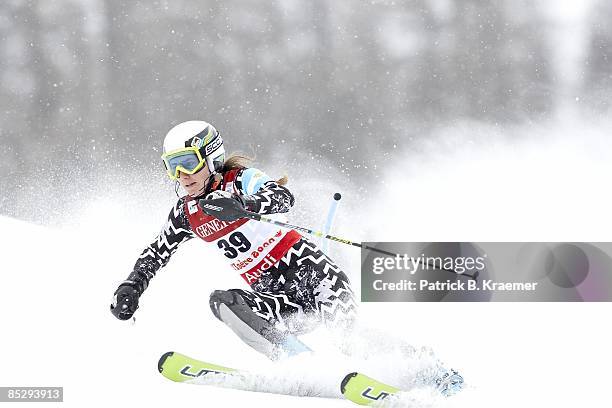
(125, 301)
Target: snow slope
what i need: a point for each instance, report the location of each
(57, 284)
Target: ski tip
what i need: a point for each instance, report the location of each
(345, 381)
(162, 360)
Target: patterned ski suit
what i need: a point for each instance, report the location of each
(289, 276)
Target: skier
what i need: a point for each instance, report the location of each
(291, 280)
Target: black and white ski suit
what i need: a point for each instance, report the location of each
(289, 276)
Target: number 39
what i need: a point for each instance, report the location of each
(237, 242)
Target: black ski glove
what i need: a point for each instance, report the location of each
(125, 301)
(226, 206)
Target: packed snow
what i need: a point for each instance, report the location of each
(57, 284)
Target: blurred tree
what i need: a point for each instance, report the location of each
(598, 82)
(99, 82)
(497, 69)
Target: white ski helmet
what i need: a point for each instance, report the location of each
(190, 145)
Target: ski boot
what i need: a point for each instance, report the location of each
(449, 383)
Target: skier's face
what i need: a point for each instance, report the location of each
(194, 184)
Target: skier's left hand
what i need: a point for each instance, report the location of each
(223, 205)
(125, 301)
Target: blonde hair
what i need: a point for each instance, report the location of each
(239, 160)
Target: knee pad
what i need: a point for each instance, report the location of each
(230, 307)
(227, 297)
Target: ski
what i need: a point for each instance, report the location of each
(181, 368)
(356, 387)
(364, 390)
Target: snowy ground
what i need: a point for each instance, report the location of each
(57, 284)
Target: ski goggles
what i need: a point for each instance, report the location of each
(188, 160)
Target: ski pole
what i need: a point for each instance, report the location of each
(331, 214)
(259, 217)
(216, 208)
